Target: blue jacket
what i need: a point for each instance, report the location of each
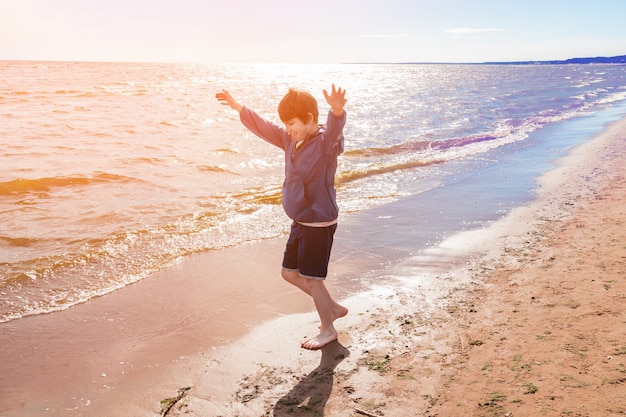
(309, 188)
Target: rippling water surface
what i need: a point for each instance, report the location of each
(111, 171)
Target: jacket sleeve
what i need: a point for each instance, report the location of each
(263, 128)
(334, 134)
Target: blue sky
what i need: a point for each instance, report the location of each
(323, 31)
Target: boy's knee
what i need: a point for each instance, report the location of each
(288, 275)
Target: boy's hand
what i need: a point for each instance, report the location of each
(227, 100)
(336, 99)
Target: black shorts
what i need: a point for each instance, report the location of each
(308, 250)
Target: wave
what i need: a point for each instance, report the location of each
(225, 150)
(271, 194)
(422, 153)
(122, 88)
(390, 150)
(18, 242)
(346, 177)
(100, 266)
(142, 160)
(43, 92)
(405, 156)
(22, 186)
(415, 154)
(417, 146)
(114, 89)
(211, 168)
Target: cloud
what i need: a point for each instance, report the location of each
(472, 31)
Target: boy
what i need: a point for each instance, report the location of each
(309, 196)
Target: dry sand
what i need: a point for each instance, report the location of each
(531, 323)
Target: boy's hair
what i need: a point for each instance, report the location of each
(297, 103)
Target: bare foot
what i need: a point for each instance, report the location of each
(321, 340)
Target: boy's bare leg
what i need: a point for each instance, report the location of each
(326, 308)
(294, 278)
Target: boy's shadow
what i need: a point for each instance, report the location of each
(309, 396)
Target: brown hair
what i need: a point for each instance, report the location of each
(297, 103)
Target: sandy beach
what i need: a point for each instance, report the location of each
(532, 323)
(523, 318)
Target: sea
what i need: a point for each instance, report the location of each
(110, 172)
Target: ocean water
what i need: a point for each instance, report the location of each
(112, 171)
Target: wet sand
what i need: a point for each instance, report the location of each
(523, 318)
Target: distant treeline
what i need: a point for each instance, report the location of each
(595, 60)
(621, 59)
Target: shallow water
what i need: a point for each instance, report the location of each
(111, 171)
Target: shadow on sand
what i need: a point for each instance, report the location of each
(309, 396)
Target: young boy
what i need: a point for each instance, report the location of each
(309, 196)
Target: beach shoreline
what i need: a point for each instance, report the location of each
(529, 327)
(425, 346)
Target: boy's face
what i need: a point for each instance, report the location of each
(299, 130)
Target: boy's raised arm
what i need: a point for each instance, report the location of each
(336, 100)
(227, 100)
